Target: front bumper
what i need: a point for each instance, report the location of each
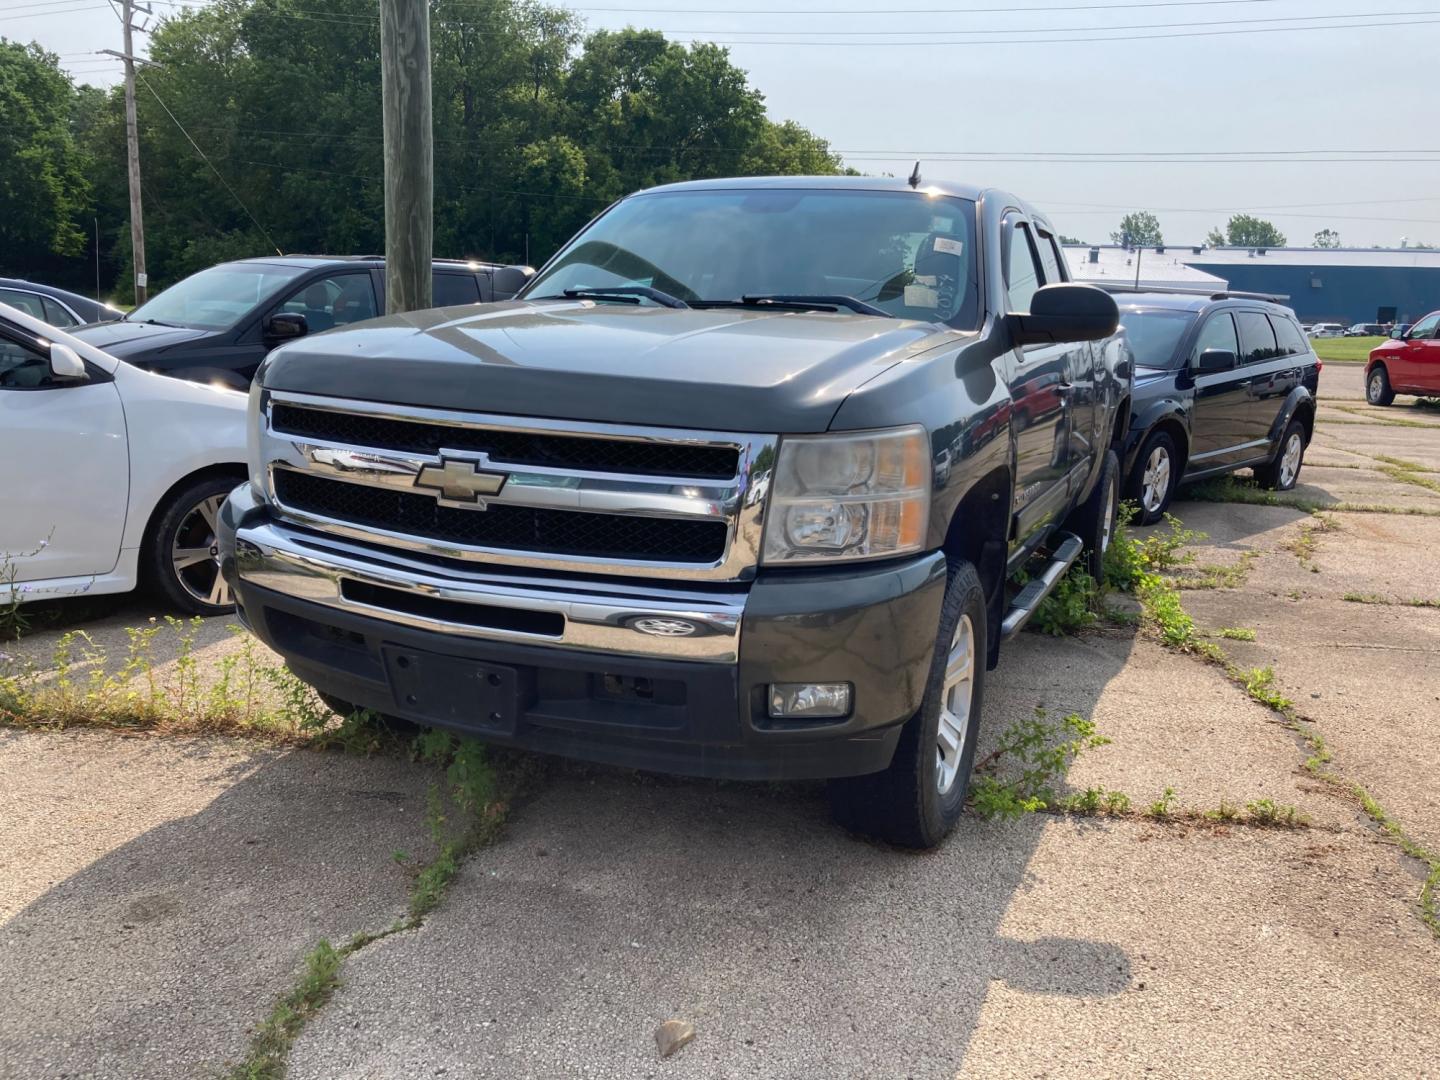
(565, 665)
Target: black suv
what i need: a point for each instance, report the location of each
(1223, 381)
(217, 325)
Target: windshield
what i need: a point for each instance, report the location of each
(908, 253)
(1154, 336)
(215, 299)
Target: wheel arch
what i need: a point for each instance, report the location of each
(232, 469)
(1173, 424)
(979, 533)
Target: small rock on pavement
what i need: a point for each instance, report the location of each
(672, 1035)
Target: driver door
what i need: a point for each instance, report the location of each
(66, 468)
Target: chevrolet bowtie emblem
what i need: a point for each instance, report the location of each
(459, 481)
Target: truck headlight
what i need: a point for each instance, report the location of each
(854, 495)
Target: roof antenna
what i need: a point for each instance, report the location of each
(915, 176)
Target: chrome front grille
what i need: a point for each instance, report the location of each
(596, 498)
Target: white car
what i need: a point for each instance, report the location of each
(112, 477)
(1327, 330)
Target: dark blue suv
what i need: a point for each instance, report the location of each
(1223, 381)
(216, 326)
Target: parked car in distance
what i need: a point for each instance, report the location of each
(58, 307)
(1363, 329)
(218, 324)
(1399, 330)
(1327, 330)
(1408, 364)
(836, 412)
(114, 477)
(1221, 383)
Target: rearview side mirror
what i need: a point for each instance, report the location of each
(66, 365)
(1213, 360)
(1065, 313)
(286, 325)
(1397, 335)
(506, 281)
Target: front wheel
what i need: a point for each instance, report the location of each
(1282, 473)
(919, 798)
(1377, 386)
(1157, 470)
(182, 557)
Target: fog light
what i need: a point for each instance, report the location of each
(809, 701)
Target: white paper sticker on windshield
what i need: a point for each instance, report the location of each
(921, 296)
(947, 246)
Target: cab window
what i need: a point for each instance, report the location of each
(451, 289)
(1022, 271)
(1217, 333)
(1049, 258)
(56, 314)
(22, 366)
(1424, 330)
(29, 303)
(333, 301)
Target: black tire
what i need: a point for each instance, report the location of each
(1377, 386)
(911, 804)
(184, 529)
(1284, 470)
(1094, 520)
(1151, 501)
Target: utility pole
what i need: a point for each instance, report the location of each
(132, 151)
(409, 156)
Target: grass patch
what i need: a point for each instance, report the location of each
(1237, 633)
(1387, 420)
(1409, 476)
(1304, 546)
(1346, 350)
(271, 1042)
(1215, 575)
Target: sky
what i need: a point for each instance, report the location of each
(1310, 113)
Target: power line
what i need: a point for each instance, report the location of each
(269, 239)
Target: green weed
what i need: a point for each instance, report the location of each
(1039, 753)
(1273, 815)
(1163, 807)
(1237, 633)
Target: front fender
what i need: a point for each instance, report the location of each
(1143, 421)
(1297, 400)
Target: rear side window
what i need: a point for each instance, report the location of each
(1288, 337)
(1217, 333)
(56, 315)
(1022, 274)
(29, 303)
(452, 289)
(1257, 339)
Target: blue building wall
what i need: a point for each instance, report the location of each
(1343, 294)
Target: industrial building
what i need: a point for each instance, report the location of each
(1342, 285)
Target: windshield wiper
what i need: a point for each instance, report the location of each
(803, 302)
(155, 322)
(626, 294)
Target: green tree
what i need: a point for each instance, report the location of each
(1327, 238)
(1140, 229)
(44, 189)
(1069, 239)
(1215, 238)
(1246, 231)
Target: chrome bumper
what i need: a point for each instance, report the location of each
(632, 618)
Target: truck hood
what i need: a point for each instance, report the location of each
(134, 341)
(721, 370)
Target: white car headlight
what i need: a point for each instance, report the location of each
(854, 495)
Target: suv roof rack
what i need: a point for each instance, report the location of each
(1225, 294)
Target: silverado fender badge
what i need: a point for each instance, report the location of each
(459, 481)
(662, 627)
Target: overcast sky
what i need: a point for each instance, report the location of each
(1261, 103)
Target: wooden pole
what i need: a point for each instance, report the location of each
(409, 158)
(132, 160)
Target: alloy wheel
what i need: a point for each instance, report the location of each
(1377, 388)
(1155, 481)
(1290, 461)
(195, 554)
(955, 701)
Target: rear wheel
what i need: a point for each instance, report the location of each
(919, 798)
(1282, 473)
(182, 558)
(1377, 386)
(1157, 471)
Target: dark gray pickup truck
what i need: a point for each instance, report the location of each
(735, 488)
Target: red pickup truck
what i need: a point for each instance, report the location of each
(1407, 364)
